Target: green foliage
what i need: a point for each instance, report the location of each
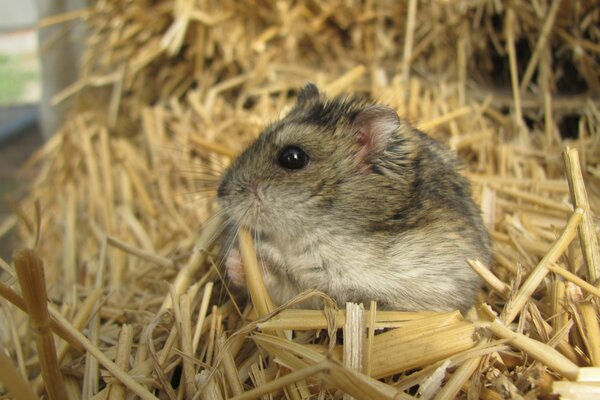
(18, 73)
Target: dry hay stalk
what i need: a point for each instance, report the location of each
(172, 90)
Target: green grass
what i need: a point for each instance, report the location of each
(17, 73)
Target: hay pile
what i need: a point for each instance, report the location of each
(119, 210)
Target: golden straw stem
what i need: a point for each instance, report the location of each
(545, 80)
(211, 146)
(10, 295)
(547, 355)
(558, 302)
(201, 316)
(589, 375)
(84, 312)
(30, 271)
(571, 277)
(297, 319)
(254, 280)
(427, 125)
(113, 368)
(489, 278)
(370, 337)
(592, 330)
(343, 82)
(12, 379)
(462, 374)
(185, 336)
(541, 43)
(210, 232)
(258, 292)
(117, 390)
(533, 198)
(354, 337)
(512, 60)
(411, 19)
(282, 382)
(143, 254)
(587, 232)
(63, 17)
(229, 368)
(514, 306)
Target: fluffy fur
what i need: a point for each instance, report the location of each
(379, 213)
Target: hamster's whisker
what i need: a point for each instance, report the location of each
(185, 148)
(194, 197)
(193, 173)
(259, 254)
(202, 191)
(225, 286)
(195, 162)
(223, 226)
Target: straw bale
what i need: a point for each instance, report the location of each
(120, 204)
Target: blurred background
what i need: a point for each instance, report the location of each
(20, 94)
(20, 83)
(27, 113)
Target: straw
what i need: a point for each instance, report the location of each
(117, 391)
(30, 271)
(121, 201)
(517, 302)
(540, 351)
(587, 232)
(13, 380)
(354, 337)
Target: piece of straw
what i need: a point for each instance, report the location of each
(575, 279)
(144, 254)
(343, 82)
(256, 286)
(587, 231)
(510, 26)
(30, 271)
(317, 319)
(540, 351)
(113, 368)
(370, 336)
(116, 390)
(354, 337)
(411, 19)
(10, 295)
(209, 234)
(540, 44)
(12, 379)
(282, 382)
(536, 276)
(592, 330)
(458, 379)
(229, 367)
(489, 278)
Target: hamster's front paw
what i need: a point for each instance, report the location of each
(234, 268)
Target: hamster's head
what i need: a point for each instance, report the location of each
(303, 169)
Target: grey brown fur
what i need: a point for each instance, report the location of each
(379, 213)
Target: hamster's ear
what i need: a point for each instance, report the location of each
(374, 128)
(308, 93)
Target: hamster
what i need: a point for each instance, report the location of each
(344, 197)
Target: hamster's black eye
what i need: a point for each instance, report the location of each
(293, 158)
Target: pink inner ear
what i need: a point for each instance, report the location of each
(374, 127)
(364, 141)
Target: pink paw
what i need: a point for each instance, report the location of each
(234, 268)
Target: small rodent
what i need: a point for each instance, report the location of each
(345, 197)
